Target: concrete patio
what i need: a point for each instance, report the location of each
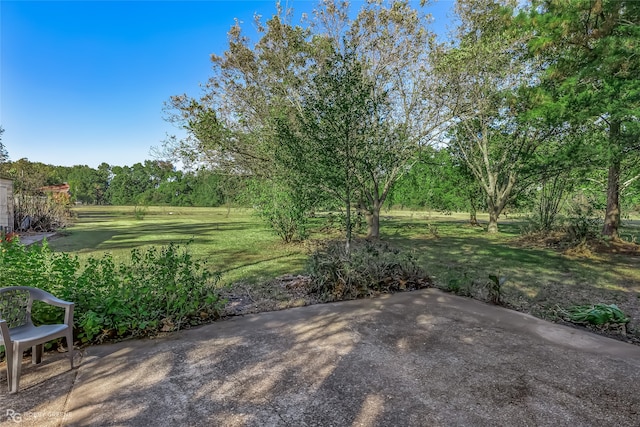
(423, 358)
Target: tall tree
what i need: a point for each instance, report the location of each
(234, 124)
(30, 176)
(339, 140)
(592, 48)
(394, 44)
(231, 128)
(87, 185)
(488, 81)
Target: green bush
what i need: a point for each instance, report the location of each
(158, 289)
(284, 209)
(367, 269)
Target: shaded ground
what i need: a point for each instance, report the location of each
(284, 292)
(410, 359)
(616, 256)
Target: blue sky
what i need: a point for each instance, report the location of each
(84, 82)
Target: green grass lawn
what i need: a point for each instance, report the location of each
(235, 242)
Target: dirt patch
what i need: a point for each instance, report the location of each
(619, 247)
(278, 294)
(584, 248)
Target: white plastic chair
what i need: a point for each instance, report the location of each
(17, 332)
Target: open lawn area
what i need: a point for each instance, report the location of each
(233, 242)
(540, 279)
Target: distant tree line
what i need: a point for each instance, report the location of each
(153, 182)
(436, 181)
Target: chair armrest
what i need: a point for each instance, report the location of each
(51, 300)
(68, 308)
(46, 297)
(68, 314)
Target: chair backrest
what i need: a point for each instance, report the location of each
(15, 306)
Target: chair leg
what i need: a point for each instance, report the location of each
(70, 345)
(36, 354)
(15, 366)
(9, 359)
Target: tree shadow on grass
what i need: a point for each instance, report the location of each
(539, 281)
(113, 238)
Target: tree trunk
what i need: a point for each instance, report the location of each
(347, 245)
(373, 223)
(612, 215)
(493, 220)
(473, 217)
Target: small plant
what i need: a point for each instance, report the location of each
(597, 315)
(286, 215)
(433, 230)
(8, 237)
(482, 289)
(583, 223)
(495, 288)
(460, 286)
(139, 212)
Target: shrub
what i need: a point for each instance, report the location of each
(139, 212)
(283, 209)
(584, 222)
(33, 211)
(368, 269)
(158, 289)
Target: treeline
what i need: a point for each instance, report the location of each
(437, 181)
(153, 182)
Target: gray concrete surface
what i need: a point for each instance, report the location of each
(422, 358)
(31, 238)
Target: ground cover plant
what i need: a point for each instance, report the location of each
(599, 314)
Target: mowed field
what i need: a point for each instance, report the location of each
(540, 280)
(233, 242)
